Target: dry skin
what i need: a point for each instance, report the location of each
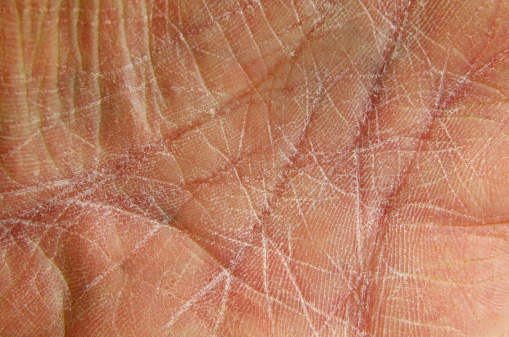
(254, 168)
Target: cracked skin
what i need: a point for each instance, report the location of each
(254, 168)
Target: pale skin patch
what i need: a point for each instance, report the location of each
(263, 168)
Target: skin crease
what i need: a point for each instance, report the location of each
(254, 168)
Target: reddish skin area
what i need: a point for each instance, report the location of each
(254, 168)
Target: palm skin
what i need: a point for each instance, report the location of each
(254, 168)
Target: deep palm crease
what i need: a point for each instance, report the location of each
(254, 168)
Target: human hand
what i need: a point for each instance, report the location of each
(254, 168)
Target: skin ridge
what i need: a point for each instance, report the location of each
(438, 111)
(368, 287)
(134, 155)
(290, 167)
(287, 170)
(364, 323)
(257, 228)
(234, 102)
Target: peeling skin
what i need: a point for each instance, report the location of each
(254, 168)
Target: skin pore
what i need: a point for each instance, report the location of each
(254, 168)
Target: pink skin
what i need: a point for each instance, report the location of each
(254, 168)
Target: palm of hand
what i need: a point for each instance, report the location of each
(253, 168)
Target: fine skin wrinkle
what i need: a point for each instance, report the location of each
(254, 168)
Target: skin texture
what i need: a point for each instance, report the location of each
(254, 168)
